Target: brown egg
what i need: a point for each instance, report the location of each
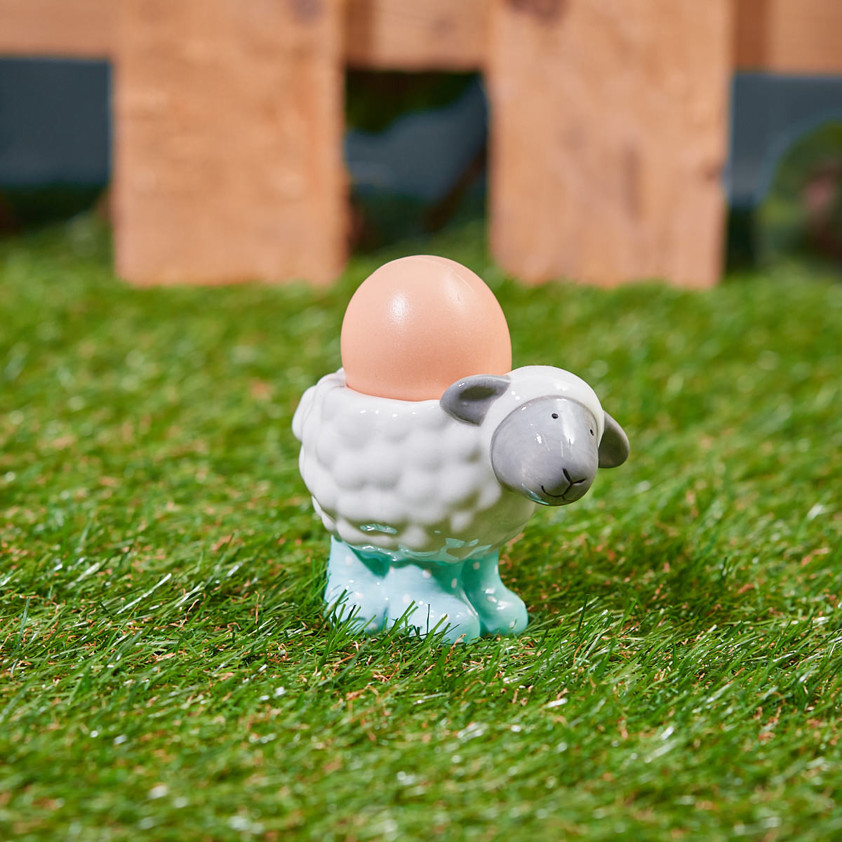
(418, 324)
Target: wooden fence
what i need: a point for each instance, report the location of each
(608, 128)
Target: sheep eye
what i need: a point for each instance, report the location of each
(555, 415)
(591, 432)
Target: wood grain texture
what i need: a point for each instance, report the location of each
(789, 36)
(69, 28)
(229, 141)
(413, 35)
(379, 34)
(608, 137)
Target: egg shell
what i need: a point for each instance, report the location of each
(417, 325)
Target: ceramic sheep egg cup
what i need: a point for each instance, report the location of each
(425, 454)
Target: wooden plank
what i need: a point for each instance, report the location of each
(608, 137)
(67, 28)
(379, 34)
(789, 36)
(229, 141)
(413, 35)
(751, 18)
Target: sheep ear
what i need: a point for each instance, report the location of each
(614, 448)
(468, 400)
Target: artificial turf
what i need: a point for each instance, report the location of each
(166, 669)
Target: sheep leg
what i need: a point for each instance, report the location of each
(429, 596)
(500, 611)
(355, 588)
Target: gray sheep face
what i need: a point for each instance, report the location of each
(547, 448)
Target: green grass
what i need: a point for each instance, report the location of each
(166, 669)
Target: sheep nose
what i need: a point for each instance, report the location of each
(577, 489)
(570, 488)
(573, 481)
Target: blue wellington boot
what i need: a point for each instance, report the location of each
(355, 588)
(429, 596)
(500, 611)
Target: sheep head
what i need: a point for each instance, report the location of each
(546, 446)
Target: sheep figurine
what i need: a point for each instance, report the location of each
(419, 496)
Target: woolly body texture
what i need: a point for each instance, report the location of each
(405, 478)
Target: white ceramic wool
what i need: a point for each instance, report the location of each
(403, 476)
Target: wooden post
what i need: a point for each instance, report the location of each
(416, 34)
(228, 160)
(70, 28)
(609, 132)
(789, 36)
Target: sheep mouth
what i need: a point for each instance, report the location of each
(559, 499)
(571, 487)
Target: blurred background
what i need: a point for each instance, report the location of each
(415, 148)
